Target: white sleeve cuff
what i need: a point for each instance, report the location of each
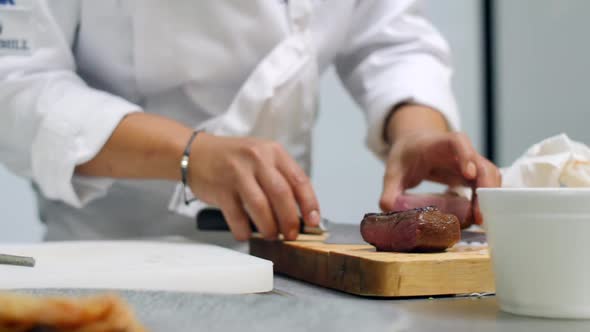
(423, 81)
(74, 129)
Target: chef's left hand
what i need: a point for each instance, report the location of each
(423, 149)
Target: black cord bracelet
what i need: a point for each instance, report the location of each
(184, 162)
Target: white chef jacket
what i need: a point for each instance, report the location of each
(241, 68)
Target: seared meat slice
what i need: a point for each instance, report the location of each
(417, 230)
(446, 203)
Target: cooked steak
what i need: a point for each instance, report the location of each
(446, 203)
(417, 230)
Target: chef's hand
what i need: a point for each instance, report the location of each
(423, 149)
(252, 177)
(242, 176)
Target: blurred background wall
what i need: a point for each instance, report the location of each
(543, 67)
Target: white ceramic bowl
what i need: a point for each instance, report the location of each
(540, 247)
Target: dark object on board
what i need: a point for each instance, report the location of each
(447, 203)
(417, 230)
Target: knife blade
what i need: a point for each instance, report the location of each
(212, 220)
(17, 260)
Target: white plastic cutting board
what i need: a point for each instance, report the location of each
(138, 265)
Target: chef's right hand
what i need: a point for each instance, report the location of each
(249, 177)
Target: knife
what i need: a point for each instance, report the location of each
(17, 260)
(212, 220)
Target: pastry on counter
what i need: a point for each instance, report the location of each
(100, 313)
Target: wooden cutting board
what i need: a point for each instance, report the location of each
(360, 270)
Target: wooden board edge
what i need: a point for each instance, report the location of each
(363, 276)
(344, 271)
(294, 260)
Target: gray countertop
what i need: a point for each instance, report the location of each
(298, 306)
(454, 314)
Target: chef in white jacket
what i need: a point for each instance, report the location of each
(100, 99)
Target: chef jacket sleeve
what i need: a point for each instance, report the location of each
(50, 119)
(392, 55)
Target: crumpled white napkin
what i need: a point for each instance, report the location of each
(557, 161)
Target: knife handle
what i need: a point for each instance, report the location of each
(212, 220)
